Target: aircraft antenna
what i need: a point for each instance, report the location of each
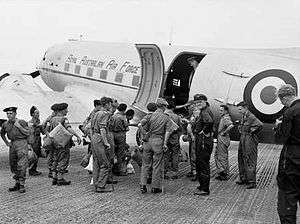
(171, 35)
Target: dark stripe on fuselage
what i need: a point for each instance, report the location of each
(88, 78)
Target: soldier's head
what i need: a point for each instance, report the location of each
(106, 102)
(171, 105)
(161, 104)
(62, 108)
(114, 105)
(129, 114)
(286, 94)
(224, 109)
(97, 103)
(193, 61)
(122, 107)
(200, 101)
(151, 107)
(242, 107)
(34, 112)
(11, 113)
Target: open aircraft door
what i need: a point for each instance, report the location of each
(152, 75)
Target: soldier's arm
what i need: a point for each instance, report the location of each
(3, 136)
(102, 122)
(283, 129)
(256, 125)
(208, 124)
(67, 125)
(229, 125)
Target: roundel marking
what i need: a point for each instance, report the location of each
(260, 93)
(268, 94)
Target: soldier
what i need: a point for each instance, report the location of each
(172, 155)
(194, 112)
(119, 126)
(158, 127)
(35, 139)
(100, 145)
(61, 154)
(86, 127)
(247, 151)
(49, 151)
(221, 153)
(203, 129)
(17, 132)
(288, 178)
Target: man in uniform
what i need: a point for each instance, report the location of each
(61, 154)
(221, 153)
(17, 132)
(249, 127)
(158, 127)
(35, 139)
(100, 145)
(194, 112)
(172, 155)
(119, 126)
(49, 150)
(203, 129)
(288, 178)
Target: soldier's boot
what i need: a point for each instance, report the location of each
(156, 190)
(251, 186)
(22, 189)
(14, 188)
(143, 189)
(241, 182)
(34, 173)
(54, 181)
(62, 182)
(103, 190)
(149, 180)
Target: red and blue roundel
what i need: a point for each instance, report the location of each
(260, 93)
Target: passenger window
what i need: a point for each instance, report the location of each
(119, 77)
(89, 72)
(136, 80)
(77, 69)
(103, 74)
(67, 66)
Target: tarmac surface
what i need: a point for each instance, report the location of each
(77, 203)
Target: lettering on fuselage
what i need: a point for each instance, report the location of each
(111, 64)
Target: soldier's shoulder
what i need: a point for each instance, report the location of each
(5, 124)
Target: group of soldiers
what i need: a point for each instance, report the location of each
(159, 130)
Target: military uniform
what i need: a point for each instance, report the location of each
(118, 125)
(172, 155)
(221, 153)
(18, 151)
(193, 113)
(49, 152)
(35, 140)
(60, 155)
(204, 146)
(288, 178)
(156, 125)
(101, 162)
(247, 151)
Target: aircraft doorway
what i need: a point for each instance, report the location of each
(179, 77)
(152, 75)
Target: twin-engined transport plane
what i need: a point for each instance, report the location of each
(137, 74)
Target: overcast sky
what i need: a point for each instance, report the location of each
(28, 28)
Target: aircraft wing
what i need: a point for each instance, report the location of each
(24, 92)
